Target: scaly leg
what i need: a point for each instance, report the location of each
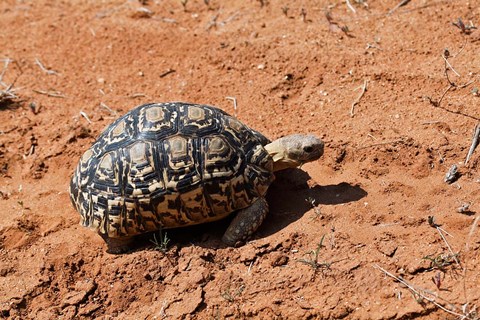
(246, 223)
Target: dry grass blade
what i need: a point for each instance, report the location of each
(6, 62)
(113, 112)
(83, 114)
(450, 66)
(357, 101)
(472, 230)
(234, 104)
(166, 73)
(54, 94)
(7, 94)
(46, 70)
(475, 140)
(138, 95)
(431, 221)
(349, 5)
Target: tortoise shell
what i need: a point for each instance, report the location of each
(168, 165)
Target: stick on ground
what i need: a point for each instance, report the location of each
(47, 71)
(364, 89)
(472, 230)
(113, 112)
(83, 114)
(7, 94)
(54, 94)
(234, 104)
(166, 73)
(349, 5)
(475, 140)
(6, 62)
(450, 66)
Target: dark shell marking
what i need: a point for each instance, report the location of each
(169, 165)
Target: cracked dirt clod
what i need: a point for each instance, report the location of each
(82, 289)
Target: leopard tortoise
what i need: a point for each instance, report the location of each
(169, 165)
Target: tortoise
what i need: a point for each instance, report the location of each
(169, 165)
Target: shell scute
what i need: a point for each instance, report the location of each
(169, 165)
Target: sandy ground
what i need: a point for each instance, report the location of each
(293, 66)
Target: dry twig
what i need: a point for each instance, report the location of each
(475, 141)
(234, 104)
(364, 89)
(55, 94)
(349, 5)
(445, 56)
(47, 71)
(448, 246)
(432, 223)
(83, 114)
(7, 94)
(6, 62)
(113, 112)
(138, 95)
(472, 230)
(449, 65)
(166, 73)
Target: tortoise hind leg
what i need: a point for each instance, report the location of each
(118, 245)
(246, 223)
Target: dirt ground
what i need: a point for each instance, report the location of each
(338, 232)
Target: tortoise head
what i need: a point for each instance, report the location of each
(294, 150)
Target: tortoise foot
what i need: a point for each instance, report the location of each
(245, 223)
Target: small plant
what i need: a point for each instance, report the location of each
(161, 244)
(229, 296)
(465, 28)
(313, 259)
(441, 261)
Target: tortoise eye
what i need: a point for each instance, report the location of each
(308, 149)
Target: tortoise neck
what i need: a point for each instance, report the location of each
(280, 157)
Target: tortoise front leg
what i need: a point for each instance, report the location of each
(246, 223)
